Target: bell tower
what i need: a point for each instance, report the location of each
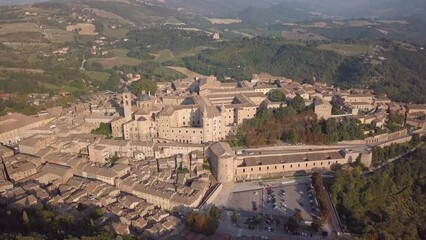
(127, 104)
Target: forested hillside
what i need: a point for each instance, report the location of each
(387, 204)
(240, 58)
(401, 75)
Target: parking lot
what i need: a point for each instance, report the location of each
(285, 200)
(247, 201)
(272, 203)
(281, 201)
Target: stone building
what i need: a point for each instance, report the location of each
(221, 158)
(322, 108)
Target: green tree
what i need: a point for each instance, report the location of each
(316, 224)
(276, 95)
(103, 129)
(215, 212)
(146, 85)
(297, 103)
(234, 217)
(257, 219)
(292, 224)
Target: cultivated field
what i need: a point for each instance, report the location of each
(348, 49)
(186, 72)
(109, 63)
(18, 27)
(83, 29)
(225, 21)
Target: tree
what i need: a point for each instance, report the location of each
(201, 223)
(297, 103)
(292, 224)
(146, 85)
(214, 212)
(25, 219)
(316, 224)
(257, 219)
(415, 140)
(103, 129)
(234, 217)
(276, 95)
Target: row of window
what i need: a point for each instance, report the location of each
(291, 166)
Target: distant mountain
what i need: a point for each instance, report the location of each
(261, 11)
(19, 2)
(368, 8)
(218, 8)
(290, 11)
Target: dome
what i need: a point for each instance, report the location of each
(144, 97)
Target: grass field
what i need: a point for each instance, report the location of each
(115, 33)
(167, 55)
(106, 14)
(18, 27)
(262, 32)
(83, 29)
(301, 35)
(97, 76)
(186, 72)
(164, 56)
(120, 52)
(225, 21)
(58, 35)
(26, 70)
(348, 49)
(168, 73)
(109, 63)
(23, 37)
(26, 46)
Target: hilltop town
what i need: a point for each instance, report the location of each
(167, 152)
